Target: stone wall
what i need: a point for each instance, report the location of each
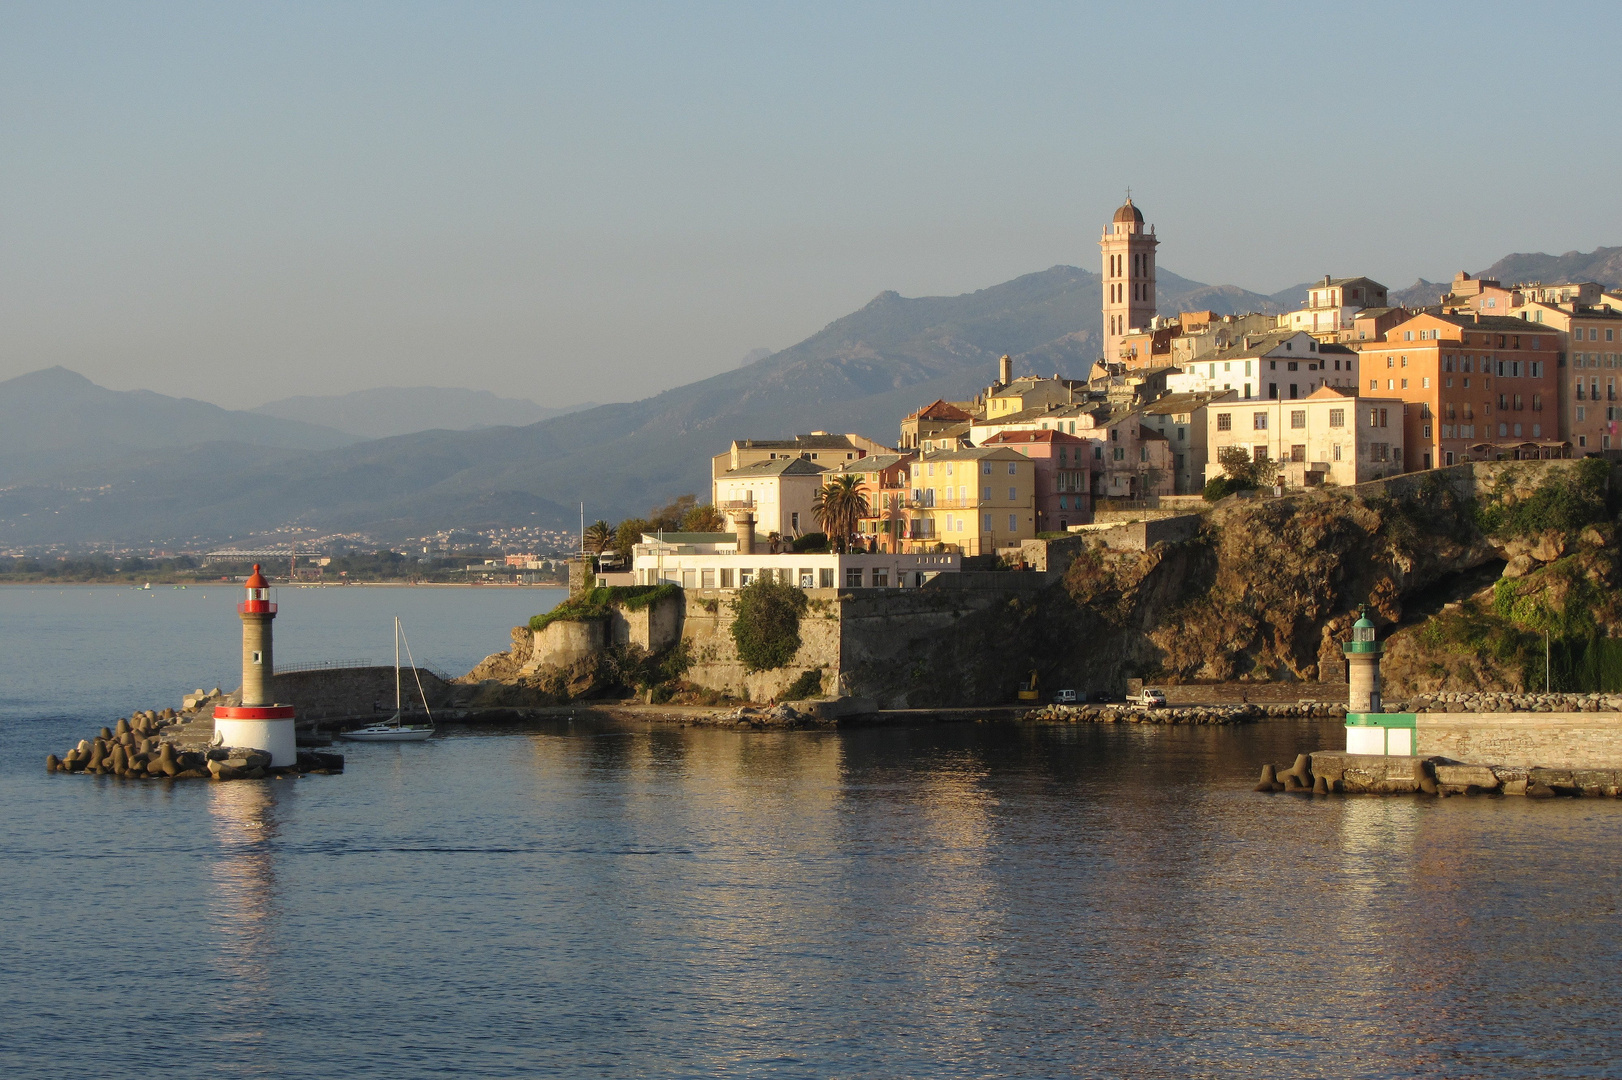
(655, 627)
(565, 642)
(1563, 740)
(337, 692)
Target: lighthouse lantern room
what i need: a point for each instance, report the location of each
(258, 722)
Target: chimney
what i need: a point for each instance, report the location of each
(1005, 369)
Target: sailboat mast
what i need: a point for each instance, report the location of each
(397, 665)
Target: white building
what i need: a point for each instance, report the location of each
(779, 492)
(1282, 365)
(707, 561)
(1331, 436)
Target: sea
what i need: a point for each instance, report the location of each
(572, 898)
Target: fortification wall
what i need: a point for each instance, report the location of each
(707, 630)
(564, 642)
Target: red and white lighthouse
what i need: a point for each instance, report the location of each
(258, 722)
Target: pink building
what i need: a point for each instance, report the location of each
(1063, 475)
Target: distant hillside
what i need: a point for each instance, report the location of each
(56, 421)
(401, 410)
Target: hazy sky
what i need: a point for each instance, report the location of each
(240, 202)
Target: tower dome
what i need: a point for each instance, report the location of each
(257, 580)
(1128, 212)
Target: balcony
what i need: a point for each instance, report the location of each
(734, 505)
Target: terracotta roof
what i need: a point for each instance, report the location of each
(940, 409)
(1048, 435)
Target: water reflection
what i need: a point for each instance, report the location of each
(244, 908)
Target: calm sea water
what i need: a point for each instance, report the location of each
(969, 900)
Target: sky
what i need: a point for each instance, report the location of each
(243, 202)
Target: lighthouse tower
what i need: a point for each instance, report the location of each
(258, 722)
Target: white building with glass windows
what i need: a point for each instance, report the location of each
(713, 561)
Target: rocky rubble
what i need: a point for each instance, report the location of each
(1182, 714)
(1504, 701)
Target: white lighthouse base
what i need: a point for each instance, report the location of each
(273, 732)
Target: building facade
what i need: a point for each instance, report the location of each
(1479, 387)
(1590, 408)
(1332, 304)
(1332, 435)
(1063, 475)
(972, 501)
(778, 492)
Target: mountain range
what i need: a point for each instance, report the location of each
(401, 410)
(176, 472)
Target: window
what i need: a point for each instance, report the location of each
(1224, 421)
(707, 579)
(1013, 494)
(1374, 384)
(1120, 453)
(826, 577)
(1425, 383)
(726, 578)
(1405, 384)
(1013, 523)
(988, 523)
(1258, 421)
(985, 468)
(1298, 452)
(985, 494)
(794, 521)
(1011, 468)
(881, 577)
(1337, 417)
(1427, 431)
(808, 578)
(1298, 418)
(746, 577)
(1334, 452)
(1258, 453)
(853, 577)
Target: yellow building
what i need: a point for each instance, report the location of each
(1590, 400)
(1032, 392)
(972, 501)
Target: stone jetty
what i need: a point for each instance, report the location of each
(164, 744)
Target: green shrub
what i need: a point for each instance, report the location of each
(1565, 501)
(1219, 487)
(766, 624)
(812, 541)
(594, 603)
(808, 685)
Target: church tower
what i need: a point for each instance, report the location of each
(1129, 276)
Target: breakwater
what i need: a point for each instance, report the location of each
(1329, 772)
(166, 745)
(1243, 713)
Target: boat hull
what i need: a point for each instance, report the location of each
(388, 735)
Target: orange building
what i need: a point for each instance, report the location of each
(1486, 387)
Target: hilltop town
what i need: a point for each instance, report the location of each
(1181, 408)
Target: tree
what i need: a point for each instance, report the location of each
(766, 624)
(703, 518)
(629, 533)
(839, 506)
(1244, 470)
(669, 516)
(599, 537)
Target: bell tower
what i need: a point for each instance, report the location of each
(1129, 276)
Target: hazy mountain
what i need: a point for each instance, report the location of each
(56, 421)
(400, 410)
(861, 373)
(1603, 265)
(1420, 294)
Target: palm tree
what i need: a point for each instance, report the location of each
(599, 537)
(838, 507)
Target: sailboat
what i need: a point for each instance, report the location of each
(395, 729)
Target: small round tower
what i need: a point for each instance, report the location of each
(258, 722)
